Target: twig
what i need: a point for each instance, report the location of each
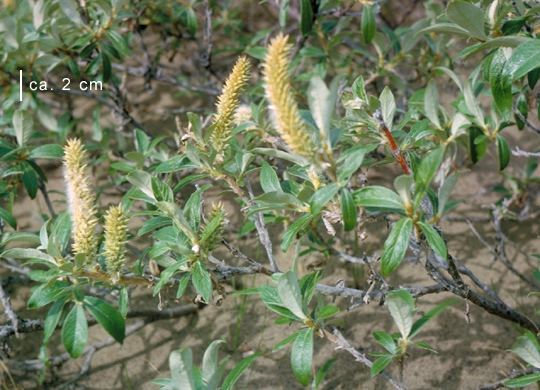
(8, 310)
(341, 342)
(394, 148)
(523, 153)
(264, 237)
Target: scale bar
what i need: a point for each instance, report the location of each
(20, 85)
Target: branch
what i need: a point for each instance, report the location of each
(8, 310)
(341, 342)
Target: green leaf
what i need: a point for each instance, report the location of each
(107, 316)
(306, 17)
(75, 331)
(210, 366)
(400, 303)
(302, 355)
(434, 240)
(428, 167)
(386, 340)
(472, 105)
(327, 311)
(123, 302)
(289, 293)
(181, 366)
(269, 179)
(445, 191)
(378, 197)
(431, 103)
(322, 196)
(388, 106)
(527, 348)
(348, 210)
(26, 254)
(51, 151)
(351, 160)
(368, 24)
(523, 381)
(396, 245)
(173, 164)
(468, 16)
(419, 324)
(47, 293)
(202, 282)
(446, 28)
(380, 364)
(322, 102)
(52, 319)
(237, 371)
(504, 152)
(22, 124)
(524, 59)
(182, 285)
(500, 82)
(7, 217)
(296, 227)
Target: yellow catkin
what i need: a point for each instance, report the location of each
(228, 103)
(114, 247)
(81, 200)
(284, 109)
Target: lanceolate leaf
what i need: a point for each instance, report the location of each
(525, 58)
(378, 197)
(201, 281)
(233, 376)
(289, 293)
(527, 348)
(396, 245)
(501, 82)
(368, 23)
(523, 381)
(434, 240)
(269, 179)
(306, 16)
(181, 365)
(380, 364)
(75, 331)
(400, 303)
(107, 316)
(302, 355)
(468, 16)
(503, 152)
(348, 210)
(210, 368)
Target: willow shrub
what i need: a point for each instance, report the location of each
(297, 121)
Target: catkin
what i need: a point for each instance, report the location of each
(81, 200)
(227, 104)
(285, 113)
(114, 247)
